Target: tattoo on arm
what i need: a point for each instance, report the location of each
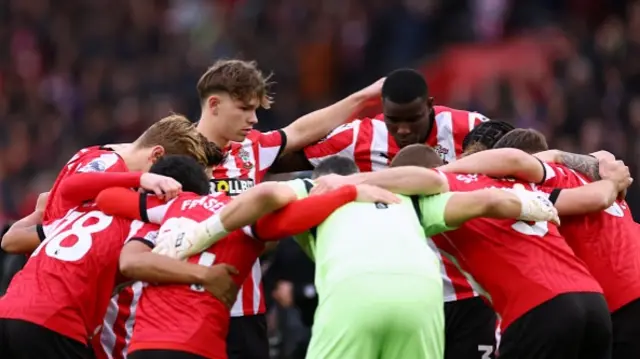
(584, 164)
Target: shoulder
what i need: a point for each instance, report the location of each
(459, 115)
(99, 161)
(301, 187)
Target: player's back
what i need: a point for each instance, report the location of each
(90, 159)
(607, 241)
(361, 238)
(68, 281)
(519, 265)
(186, 317)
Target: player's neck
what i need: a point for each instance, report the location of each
(207, 127)
(128, 155)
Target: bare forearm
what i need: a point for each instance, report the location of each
(593, 197)
(313, 126)
(407, 180)
(503, 162)
(255, 203)
(585, 164)
(22, 237)
(155, 268)
(491, 203)
(502, 204)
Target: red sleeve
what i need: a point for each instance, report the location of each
(301, 215)
(336, 142)
(81, 187)
(124, 202)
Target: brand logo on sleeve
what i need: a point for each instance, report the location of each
(94, 166)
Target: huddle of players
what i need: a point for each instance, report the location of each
(230, 92)
(409, 117)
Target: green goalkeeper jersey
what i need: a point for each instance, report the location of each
(361, 238)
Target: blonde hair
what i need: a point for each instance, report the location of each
(177, 135)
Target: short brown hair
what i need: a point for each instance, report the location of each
(527, 140)
(417, 155)
(177, 135)
(242, 80)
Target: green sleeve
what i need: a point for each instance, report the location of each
(305, 240)
(433, 210)
(300, 187)
(306, 243)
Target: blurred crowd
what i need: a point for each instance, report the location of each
(82, 72)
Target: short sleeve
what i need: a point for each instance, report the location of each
(153, 209)
(341, 141)
(433, 212)
(300, 186)
(269, 147)
(305, 240)
(561, 177)
(146, 233)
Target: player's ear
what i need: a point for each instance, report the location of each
(156, 153)
(430, 102)
(213, 104)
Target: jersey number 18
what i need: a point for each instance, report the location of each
(80, 230)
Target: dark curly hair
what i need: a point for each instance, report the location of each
(184, 169)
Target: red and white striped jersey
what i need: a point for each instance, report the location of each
(246, 164)
(368, 142)
(113, 340)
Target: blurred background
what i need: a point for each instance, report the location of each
(83, 72)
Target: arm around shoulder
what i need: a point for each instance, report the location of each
(23, 236)
(593, 197)
(407, 180)
(502, 162)
(491, 203)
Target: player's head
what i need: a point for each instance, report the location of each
(417, 155)
(172, 135)
(486, 134)
(407, 107)
(184, 169)
(230, 93)
(526, 139)
(335, 165)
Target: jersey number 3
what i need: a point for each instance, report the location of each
(79, 230)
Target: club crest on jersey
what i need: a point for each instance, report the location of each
(441, 151)
(245, 158)
(231, 186)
